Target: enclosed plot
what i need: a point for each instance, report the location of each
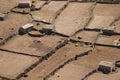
(76, 70)
(71, 71)
(33, 45)
(117, 26)
(73, 18)
(86, 36)
(99, 76)
(49, 11)
(10, 26)
(100, 54)
(11, 65)
(103, 15)
(109, 40)
(60, 56)
(7, 5)
(39, 4)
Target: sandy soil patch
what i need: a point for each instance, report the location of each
(11, 65)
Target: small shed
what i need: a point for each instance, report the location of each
(26, 28)
(106, 67)
(24, 3)
(48, 29)
(2, 16)
(109, 30)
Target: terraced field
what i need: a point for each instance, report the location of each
(6, 5)
(70, 21)
(50, 11)
(103, 15)
(14, 22)
(33, 46)
(84, 65)
(67, 41)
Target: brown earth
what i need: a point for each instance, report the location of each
(49, 11)
(7, 5)
(31, 45)
(110, 40)
(104, 15)
(79, 68)
(62, 55)
(86, 36)
(11, 65)
(14, 22)
(70, 21)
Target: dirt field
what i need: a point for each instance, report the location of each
(86, 36)
(58, 58)
(68, 71)
(39, 4)
(69, 21)
(26, 57)
(87, 63)
(48, 12)
(100, 76)
(104, 15)
(100, 54)
(110, 40)
(14, 22)
(117, 25)
(13, 64)
(38, 25)
(6, 5)
(31, 45)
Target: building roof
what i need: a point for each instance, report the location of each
(48, 27)
(25, 1)
(27, 25)
(108, 64)
(2, 15)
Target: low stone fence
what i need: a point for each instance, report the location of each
(45, 57)
(65, 63)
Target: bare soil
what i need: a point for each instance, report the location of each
(62, 55)
(49, 11)
(71, 72)
(31, 45)
(100, 54)
(100, 76)
(117, 26)
(14, 22)
(86, 36)
(110, 40)
(11, 65)
(79, 68)
(39, 4)
(73, 18)
(104, 15)
(7, 5)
